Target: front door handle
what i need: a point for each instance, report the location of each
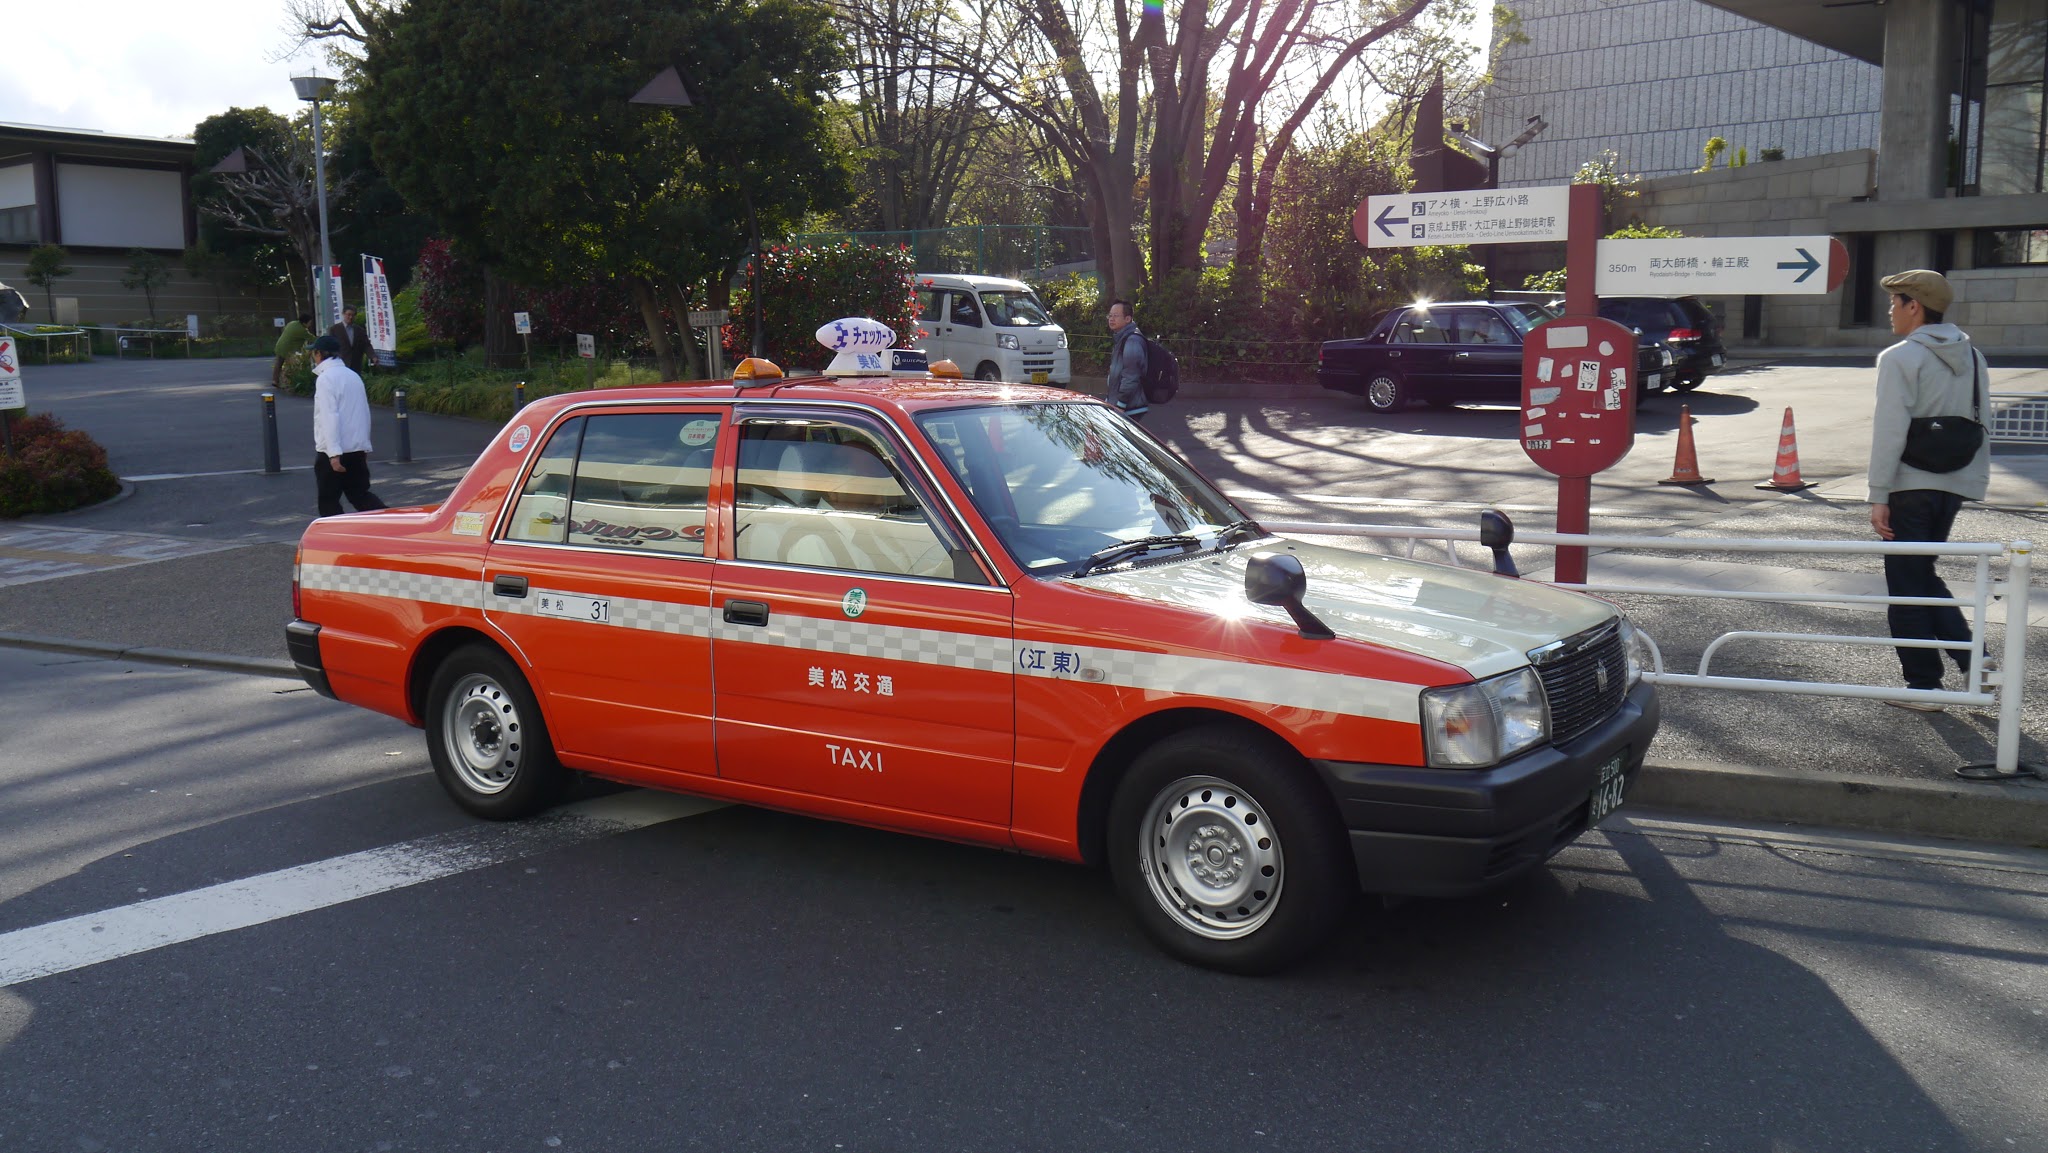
(746, 613)
(1461, 356)
(508, 586)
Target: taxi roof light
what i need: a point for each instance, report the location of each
(946, 370)
(756, 369)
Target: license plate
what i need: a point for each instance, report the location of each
(1717, 360)
(1040, 377)
(1607, 794)
(574, 608)
(1653, 380)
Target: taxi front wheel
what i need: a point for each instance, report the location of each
(1228, 852)
(486, 738)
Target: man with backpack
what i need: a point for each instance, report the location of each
(1127, 363)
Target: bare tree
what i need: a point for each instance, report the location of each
(274, 196)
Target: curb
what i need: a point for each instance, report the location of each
(222, 662)
(1995, 812)
(1999, 812)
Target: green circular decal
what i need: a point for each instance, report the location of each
(854, 603)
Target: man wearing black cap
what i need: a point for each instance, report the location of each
(341, 432)
(1933, 371)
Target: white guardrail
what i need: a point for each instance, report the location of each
(2002, 687)
(2019, 417)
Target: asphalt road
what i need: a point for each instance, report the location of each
(736, 979)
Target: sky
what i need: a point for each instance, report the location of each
(144, 68)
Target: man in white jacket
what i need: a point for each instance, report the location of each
(1934, 371)
(341, 432)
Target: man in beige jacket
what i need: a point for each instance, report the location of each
(1934, 371)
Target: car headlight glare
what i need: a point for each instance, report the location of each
(1006, 340)
(1486, 722)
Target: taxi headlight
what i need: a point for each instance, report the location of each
(1006, 340)
(1486, 722)
(1642, 655)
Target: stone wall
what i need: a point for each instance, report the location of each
(2002, 308)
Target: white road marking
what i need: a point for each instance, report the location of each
(1402, 502)
(76, 942)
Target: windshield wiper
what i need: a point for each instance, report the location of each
(1237, 529)
(1124, 550)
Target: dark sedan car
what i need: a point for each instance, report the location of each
(1681, 324)
(1452, 353)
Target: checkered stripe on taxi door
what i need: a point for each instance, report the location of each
(856, 639)
(1226, 679)
(625, 612)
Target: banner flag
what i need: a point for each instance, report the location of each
(382, 322)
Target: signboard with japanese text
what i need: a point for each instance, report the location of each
(586, 345)
(1477, 216)
(1578, 395)
(1721, 266)
(522, 323)
(192, 326)
(333, 297)
(12, 395)
(709, 318)
(381, 322)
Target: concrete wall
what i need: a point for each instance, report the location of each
(1653, 79)
(96, 283)
(2002, 308)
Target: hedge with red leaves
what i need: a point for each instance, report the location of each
(52, 469)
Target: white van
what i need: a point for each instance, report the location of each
(994, 329)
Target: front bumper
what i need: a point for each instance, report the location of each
(302, 643)
(1450, 832)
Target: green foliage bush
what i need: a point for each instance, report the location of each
(805, 285)
(52, 469)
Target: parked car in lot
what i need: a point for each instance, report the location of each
(992, 613)
(1683, 324)
(1453, 353)
(993, 328)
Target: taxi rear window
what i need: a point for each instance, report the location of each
(627, 480)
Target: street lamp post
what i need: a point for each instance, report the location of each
(312, 89)
(670, 90)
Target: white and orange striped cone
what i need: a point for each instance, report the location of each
(1686, 468)
(1785, 474)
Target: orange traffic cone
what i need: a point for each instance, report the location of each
(1686, 469)
(1785, 474)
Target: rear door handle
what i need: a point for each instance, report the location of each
(746, 613)
(508, 586)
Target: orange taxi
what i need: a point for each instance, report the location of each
(990, 613)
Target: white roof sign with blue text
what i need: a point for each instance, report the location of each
(1472, 216)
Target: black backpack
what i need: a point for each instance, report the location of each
(1162, 373)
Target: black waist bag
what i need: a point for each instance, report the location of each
(1945, 443)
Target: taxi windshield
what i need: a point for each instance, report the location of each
(1067, 486)
(1014, 310)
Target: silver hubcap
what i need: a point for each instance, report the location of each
(1383, 392)
(481, 732)
(1211, 857)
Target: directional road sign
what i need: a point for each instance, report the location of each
(1721, 266)
(1477, 216)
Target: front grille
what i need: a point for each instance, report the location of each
(1580, 696)
(1040, 362)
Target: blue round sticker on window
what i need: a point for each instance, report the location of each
(854, 603)
(520, 436)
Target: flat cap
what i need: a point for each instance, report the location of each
(1928, 287)
(326, 345)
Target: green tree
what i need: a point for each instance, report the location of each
(148, 272)
(45, 268)
(517, 137)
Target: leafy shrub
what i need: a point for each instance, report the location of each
(805, 285)
(451, 294)
(52, 469)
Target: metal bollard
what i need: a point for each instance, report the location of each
(404, 425)
(518, 395)
(270, 459)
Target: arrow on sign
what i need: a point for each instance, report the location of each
(1807, 268)
(1387, 217)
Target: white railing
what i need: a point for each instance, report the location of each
(72, 336)
(2002, 687)
(2019, 417)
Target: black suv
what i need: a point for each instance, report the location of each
(1681, 324)
(1453, 353)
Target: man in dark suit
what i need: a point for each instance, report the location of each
(354, 338)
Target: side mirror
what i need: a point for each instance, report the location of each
(13, 305)
(1276, 578)
(1497, 532)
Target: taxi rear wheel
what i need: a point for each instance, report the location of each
(485, 736)
(1385, 392)
(1229, 854)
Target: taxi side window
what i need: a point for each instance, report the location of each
(542, 513)
(1417, 328)
(822, 494)
(1480, 326)
(963, 310)
(643, 481)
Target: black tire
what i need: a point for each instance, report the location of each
(1386, 392)
(987, 370)
(1688, 383)
(486, 738)
(1229, 851)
